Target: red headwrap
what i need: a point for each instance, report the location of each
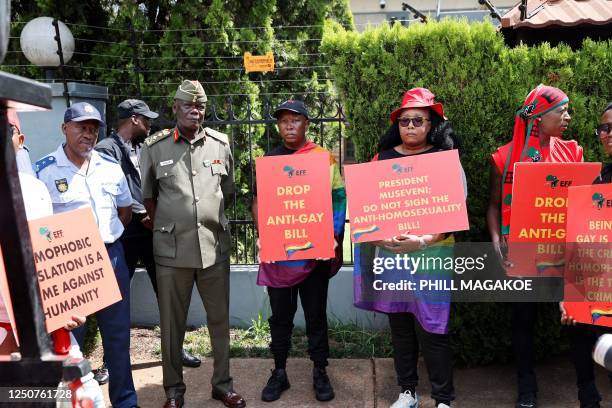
(525, 145)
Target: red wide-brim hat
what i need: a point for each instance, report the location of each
(419, 98)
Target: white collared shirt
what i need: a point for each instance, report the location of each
(37, 204)
(103, 188)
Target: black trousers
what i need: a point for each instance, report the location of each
(138, 246)
(582, 339)
(524, 316)
(283, 302)
(407, 338)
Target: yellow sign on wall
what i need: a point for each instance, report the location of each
(259, 63)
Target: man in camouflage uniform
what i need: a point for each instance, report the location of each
(187, 175)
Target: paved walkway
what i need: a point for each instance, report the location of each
(367, 384)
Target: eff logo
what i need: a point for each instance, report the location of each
(293, 172)
(553, 181)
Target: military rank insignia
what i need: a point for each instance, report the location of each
(61, 185)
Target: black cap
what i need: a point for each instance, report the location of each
(131, 107)
(291, 105)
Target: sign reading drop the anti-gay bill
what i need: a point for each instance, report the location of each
(294, 207)
(420, 194)
(74, 273)
(539, 209)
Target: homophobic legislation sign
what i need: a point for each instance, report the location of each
(539, 209)
(588, 272)
(294, 207)
(420, 194)
(74, 273)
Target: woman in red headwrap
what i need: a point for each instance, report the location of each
(538, 128)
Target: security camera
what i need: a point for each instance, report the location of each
(383, 3)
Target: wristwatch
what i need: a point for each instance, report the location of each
(422, 243)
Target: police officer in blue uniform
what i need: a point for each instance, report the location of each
(77, 177)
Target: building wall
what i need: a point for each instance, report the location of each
(369, 11)
(247, 301)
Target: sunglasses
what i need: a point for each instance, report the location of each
(417, 122)
(603, 129)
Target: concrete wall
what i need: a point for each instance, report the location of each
(247, 300)
(43, 129)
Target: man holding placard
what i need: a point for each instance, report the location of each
(79, 177)
(37, 204)
(308, 278)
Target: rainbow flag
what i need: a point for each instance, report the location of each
(362, 231)
(543, 266)
(597, 313)
(292, 249)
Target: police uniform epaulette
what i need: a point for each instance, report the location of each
(157, 136)
(108, 158)
(44, 162)
(222, 137)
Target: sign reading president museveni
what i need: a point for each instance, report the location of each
(294, 207)
(420, 194)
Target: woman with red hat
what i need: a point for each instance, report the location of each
(420, 320)
(538, 128)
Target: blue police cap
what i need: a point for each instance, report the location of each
(81, 111)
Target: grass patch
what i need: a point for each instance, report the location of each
(345, 341)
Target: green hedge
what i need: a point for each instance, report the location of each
(481, 83)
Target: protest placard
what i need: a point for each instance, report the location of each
(588, 271)
(74, 273)
(539, 210)
(294, 207)
(420, 194)
(5, 295)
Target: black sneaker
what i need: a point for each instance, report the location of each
(527, 401)
(277, 383)
(101, 374)
(320, 381)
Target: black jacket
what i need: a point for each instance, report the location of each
(113, 146)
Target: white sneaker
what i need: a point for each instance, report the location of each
(441, 405)
(406, 400)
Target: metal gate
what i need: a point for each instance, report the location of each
(252, 132)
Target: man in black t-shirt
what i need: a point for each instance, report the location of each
(285, 281)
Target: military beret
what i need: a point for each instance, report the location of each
(191, 91)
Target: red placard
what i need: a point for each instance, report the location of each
(597, 313)
(539, 210)
(421, 194)
(589, 214)
(5, 296)
(588, 273)
(294, 207)
(75, 275)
